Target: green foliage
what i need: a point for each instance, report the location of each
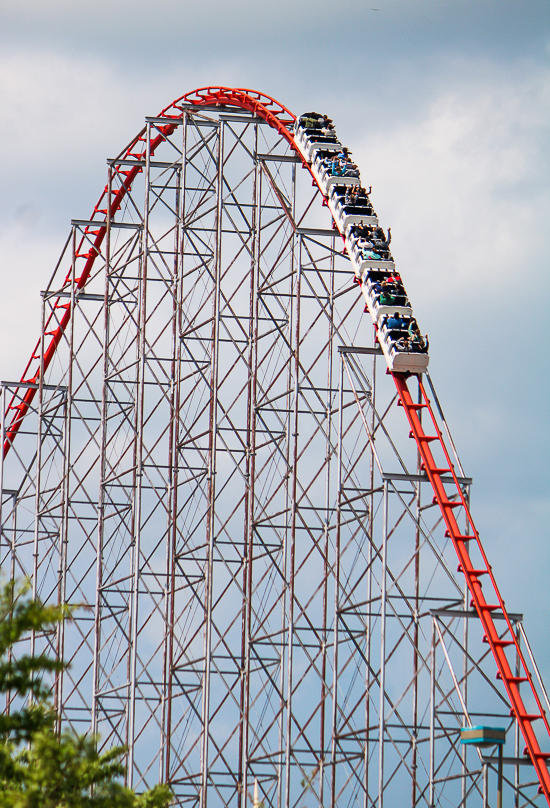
(39, 769)
(23, 675)
(61, 772)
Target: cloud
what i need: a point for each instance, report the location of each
(465, 186)
(129, 31)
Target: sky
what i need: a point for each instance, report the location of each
(446, 106)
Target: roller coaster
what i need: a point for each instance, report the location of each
(403, 349)
(202, 455)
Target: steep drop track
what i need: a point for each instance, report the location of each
(473, 562)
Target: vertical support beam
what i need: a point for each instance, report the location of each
(65, 495)
(96, 673)
(326, 533)
(138, 469)
(414, 755)
(171, 617)
(370, 556)
(464, 750)
(38, 472)
(431, 793)
(292, 548)
(499, 775)
(334, 738)
(211, 527)
(250, 475)
(383, 608)
(287, 488)
(38, 477)
(172, 481)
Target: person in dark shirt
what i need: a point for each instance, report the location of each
(362, 198)
(379, 239)
(395, 320)
(377, 287)
(363, 231)
(419, 344)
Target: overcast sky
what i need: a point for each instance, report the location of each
(446, 105)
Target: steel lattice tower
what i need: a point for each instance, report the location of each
(208, 457)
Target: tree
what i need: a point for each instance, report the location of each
(38, 767)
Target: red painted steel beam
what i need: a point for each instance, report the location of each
(472, 575)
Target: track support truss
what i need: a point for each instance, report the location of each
(205, 456)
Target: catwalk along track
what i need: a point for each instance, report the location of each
(199, 453)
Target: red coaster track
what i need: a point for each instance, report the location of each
(279, 118)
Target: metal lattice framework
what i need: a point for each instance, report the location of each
(206, 455)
